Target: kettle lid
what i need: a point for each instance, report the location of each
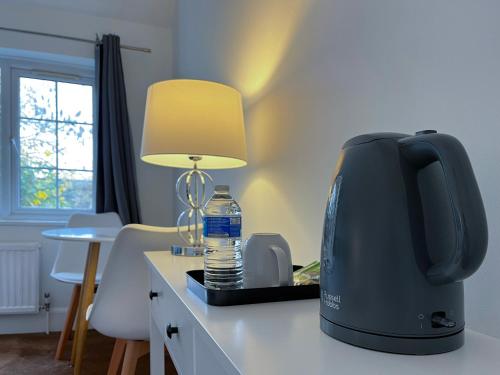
(365, 138)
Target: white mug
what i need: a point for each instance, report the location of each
(267, 261)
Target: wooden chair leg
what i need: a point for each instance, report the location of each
(68, 324)
(86, 297)
(134, 351)
(117, 356)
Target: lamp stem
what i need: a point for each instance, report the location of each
(193, 197)
(197, 204)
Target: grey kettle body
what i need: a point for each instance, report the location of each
(404, 226)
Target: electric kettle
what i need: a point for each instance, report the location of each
(404, 226)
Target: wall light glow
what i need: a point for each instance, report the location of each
(264, 37)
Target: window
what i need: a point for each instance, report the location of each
(51, 139)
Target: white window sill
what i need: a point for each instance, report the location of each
(33, 222)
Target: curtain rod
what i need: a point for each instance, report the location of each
(124, 46)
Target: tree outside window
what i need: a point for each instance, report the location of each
(55, 144)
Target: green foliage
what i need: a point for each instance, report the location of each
(42, 185)
(38, 188)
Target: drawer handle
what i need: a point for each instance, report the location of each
(172, 331)
(152, 295)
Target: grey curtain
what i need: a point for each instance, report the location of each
(116, 188)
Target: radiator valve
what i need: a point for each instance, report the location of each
(46, 302)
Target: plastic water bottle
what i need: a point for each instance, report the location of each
(222, 237)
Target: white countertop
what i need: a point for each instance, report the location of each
(85, 234)
(285, 338)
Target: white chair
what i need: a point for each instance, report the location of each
(70, 264)
(121, 304)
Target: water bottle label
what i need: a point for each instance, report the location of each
(222, 226)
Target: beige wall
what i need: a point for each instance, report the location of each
(315, 73)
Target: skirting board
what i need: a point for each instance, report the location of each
(32, 323)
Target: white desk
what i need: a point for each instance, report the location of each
(94, 237)
(277, 338)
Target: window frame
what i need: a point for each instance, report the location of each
(12, 70)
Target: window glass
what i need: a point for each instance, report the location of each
(55, 130)
(37, 99)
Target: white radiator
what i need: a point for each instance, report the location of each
(19, 277)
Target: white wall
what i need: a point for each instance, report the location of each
(315, 73)
(155, 184)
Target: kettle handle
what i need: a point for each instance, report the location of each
(466, 204)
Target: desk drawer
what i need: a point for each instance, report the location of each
(166, 310)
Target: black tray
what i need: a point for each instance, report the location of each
(195, 283)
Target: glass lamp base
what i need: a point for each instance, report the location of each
(188, 251)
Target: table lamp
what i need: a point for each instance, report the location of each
(196, 125)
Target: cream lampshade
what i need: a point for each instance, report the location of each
(197, 125)
(186, 118)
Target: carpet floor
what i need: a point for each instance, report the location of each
(33, 354)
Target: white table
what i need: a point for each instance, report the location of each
(94, 236)
(277, 338)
